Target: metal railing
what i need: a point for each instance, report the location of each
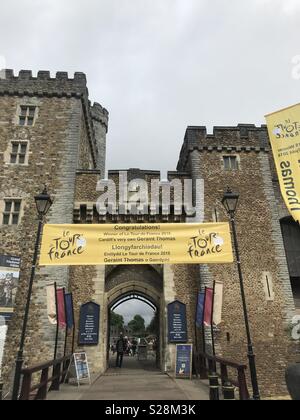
(215, 368)
(54, 378)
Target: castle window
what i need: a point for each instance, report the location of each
(27, 115)
(18, 152)
(230, 163)
(11, 213)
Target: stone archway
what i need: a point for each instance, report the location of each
(106, 284)
(143, 281)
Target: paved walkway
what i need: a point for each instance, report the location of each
(135, 381)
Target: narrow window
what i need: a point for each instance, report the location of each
(267, 281)
(18, 152)
(27, 116)
(230, 163)
(215, 215)
(11, 214)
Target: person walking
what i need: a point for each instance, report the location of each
(134, 347)
(121, 348)
(114, 347)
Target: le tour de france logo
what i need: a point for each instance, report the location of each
(287, 129)
(67, 245)
(204, 244)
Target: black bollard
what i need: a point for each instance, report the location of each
(213, 387)
(228, 391)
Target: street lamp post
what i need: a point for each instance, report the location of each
(43, 203)
(230, 201)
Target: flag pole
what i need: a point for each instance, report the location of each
(196, 330)
(203, 326)
(196, 337)
(73, 340)
(66, 316)
(212, 320)
(57, 323)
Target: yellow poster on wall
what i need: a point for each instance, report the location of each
(284, 133)
(136, 244)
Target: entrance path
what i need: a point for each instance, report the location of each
(137, 380)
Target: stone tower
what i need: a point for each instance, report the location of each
(48, 131)
(241, 157)
(100, 122)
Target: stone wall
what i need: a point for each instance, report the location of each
(100, 119)
(186, 281)
(66, 151)
(45, 166)
(85, 160)
(261, 248)
(122, 274)
(60, 140)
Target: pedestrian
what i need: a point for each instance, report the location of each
(134, 347)
(129, 347)
(113, 347)
(121, 348)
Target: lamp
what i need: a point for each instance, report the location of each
(43, 202)
(230, 201)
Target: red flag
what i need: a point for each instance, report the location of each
(61, 311)
(208, 306)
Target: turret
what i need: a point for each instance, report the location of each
(100, 117)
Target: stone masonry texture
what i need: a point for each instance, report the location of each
(261, 247)
(62, 139)
(67, 152)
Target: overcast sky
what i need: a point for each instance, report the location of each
(161, 65)
(134, 307)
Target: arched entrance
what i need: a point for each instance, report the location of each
(127, 284)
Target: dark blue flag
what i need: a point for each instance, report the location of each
(69, 310)
(200, 310)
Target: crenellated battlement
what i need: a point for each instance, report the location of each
(25, 84)
(243, 137)
(42, 84)
(8, 74)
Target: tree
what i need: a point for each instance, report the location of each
(117, 320)
(153, 326)
(137, 325)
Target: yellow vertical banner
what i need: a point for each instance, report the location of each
(284, 133)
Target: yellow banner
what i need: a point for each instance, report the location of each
(284, 133)
(136, 244)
